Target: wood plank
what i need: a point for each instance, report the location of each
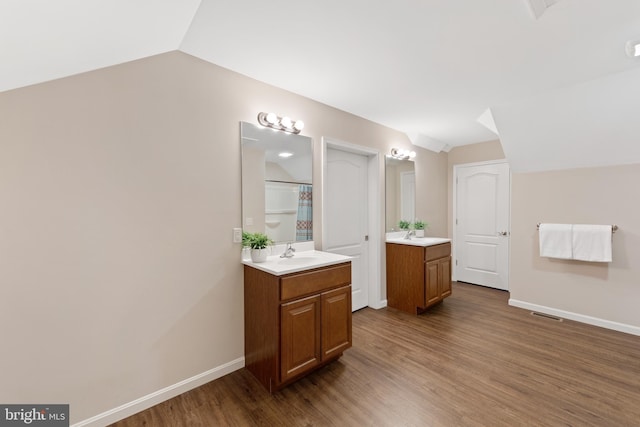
(470, 361)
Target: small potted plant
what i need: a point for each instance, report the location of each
(258, 243)
(404, 225)
(419, 226)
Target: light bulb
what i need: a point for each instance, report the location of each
(298, 125)
(271, 118)
(286, 123)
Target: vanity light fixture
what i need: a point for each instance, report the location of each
(402, 154)
(273, 121)
(285, 154)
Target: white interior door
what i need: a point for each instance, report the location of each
(482, 224)
(346, 216)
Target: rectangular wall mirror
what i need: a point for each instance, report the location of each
(400, 190)
(276, 183)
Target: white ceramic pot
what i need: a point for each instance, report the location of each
(419, 233)
(259, 255)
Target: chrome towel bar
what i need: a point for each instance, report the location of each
(614, 227)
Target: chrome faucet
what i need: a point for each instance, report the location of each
(288, 253)
(409, 234)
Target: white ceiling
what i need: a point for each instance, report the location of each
(429, 68)
(43, 40)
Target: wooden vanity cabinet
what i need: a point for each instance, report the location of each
(296, 322)
(417, 276)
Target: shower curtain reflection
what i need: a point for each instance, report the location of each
(304, 223)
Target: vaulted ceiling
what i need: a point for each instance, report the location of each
(550, 76)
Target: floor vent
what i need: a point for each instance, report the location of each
(548, 316)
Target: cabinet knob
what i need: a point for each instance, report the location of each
(503, 233)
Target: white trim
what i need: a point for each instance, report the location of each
(381, 304)
(487, 162)
(375, 247)
(145, 402)
(455, 214)
(595, 321)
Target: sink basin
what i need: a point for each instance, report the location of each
(298, 260)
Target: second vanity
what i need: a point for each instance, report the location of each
(297, 315)
(418, 272)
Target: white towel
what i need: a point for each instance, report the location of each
(555, 240)
(592, 242)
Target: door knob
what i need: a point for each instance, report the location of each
(503, 233)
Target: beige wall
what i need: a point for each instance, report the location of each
(607, 291)
(119, 191)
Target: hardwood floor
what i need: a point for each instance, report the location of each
(470, 361)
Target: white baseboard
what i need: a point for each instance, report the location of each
(379, 305)
(608, 324)
(145, 402)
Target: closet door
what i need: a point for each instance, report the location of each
(482, 224)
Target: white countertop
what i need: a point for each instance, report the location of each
(398, 237)
(301, 261)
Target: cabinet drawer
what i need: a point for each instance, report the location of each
(438, 251)
(315, 281)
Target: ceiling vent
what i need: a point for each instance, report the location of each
(539, 6)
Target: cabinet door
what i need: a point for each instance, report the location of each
(432, 283)
(336, 322)
(444, 266)
(299, 336)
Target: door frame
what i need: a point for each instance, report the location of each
(373, 169)
(455, 214)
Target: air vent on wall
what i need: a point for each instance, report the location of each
(539, 6)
